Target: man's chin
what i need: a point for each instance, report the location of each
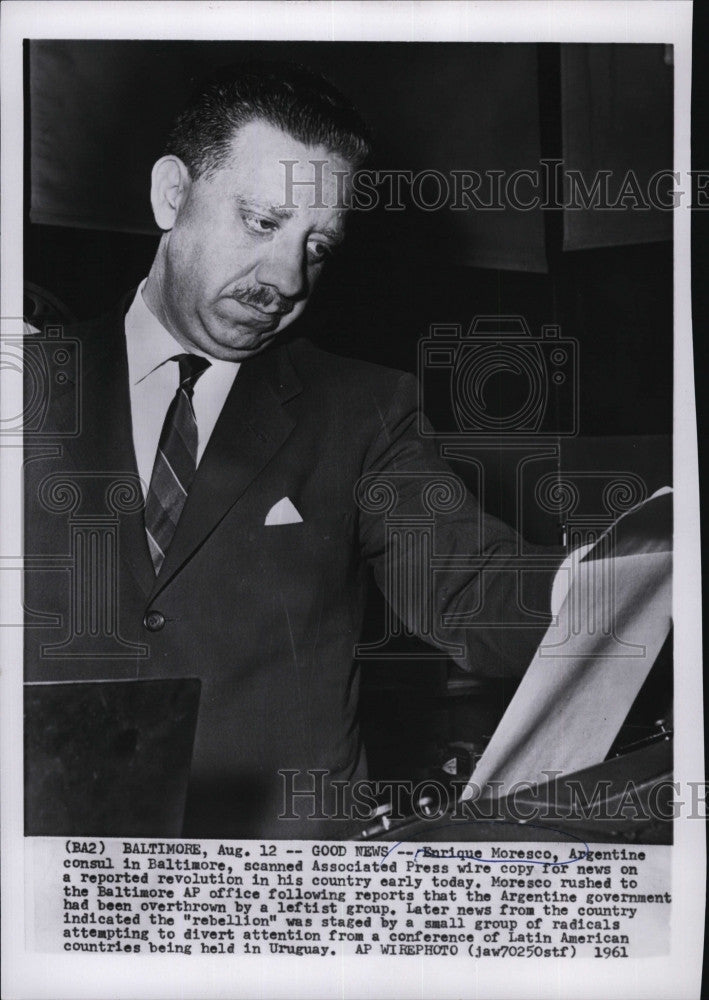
(229, 341)
(241, 346)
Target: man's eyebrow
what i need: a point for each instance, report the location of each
(278, 210)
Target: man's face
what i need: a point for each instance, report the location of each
(238, 267)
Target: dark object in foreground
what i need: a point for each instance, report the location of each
(108, 758)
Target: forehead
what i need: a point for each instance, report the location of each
(270, 166)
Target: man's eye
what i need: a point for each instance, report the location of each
(318, 251)
(257, 224)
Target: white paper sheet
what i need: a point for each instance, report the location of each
(586, 673)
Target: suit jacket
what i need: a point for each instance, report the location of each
(266, 616)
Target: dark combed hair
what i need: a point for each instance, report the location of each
(286, 95)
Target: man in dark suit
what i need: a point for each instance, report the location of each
(250, 478)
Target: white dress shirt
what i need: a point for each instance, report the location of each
(154, 379)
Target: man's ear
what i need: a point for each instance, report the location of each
(169, 187)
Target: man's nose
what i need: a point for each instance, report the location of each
(283, 268)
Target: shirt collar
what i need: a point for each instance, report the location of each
(150, 345)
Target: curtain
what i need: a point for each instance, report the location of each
(616, 103)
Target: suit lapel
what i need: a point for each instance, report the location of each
(251, 428)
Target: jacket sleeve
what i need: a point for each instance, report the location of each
(455, 576)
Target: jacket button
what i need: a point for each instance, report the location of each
(154, 621)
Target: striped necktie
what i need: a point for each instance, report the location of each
(175, 461)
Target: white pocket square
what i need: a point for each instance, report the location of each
(283, 512)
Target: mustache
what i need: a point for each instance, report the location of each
(263, 298)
